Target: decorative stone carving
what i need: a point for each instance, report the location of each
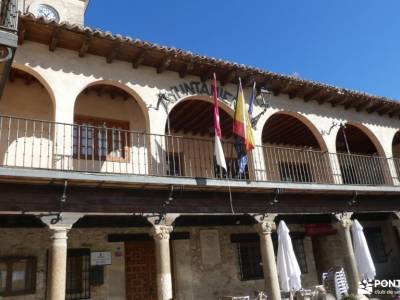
(265, 223)
(265, 227)
(344, 220)
(161, 232)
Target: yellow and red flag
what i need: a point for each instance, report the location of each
(242, 123)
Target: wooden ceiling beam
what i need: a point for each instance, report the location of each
(206, 75)
(85, 46)
(229, 76)
(164, 64)
(395, 113)
(313, 95)
(188, 68)
(339, 101)
(249, 80)
(21, 35)
(113, 52)
(365, 104)
(54, 39)
(138, 59)
(373, 107)
(385, 110)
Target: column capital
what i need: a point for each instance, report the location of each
(64, 223)
(265, 223)
(397, 214)
(161, 219)
(161, 232)
(343, 220)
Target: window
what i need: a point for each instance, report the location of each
(250, 261)
(250, 254)
(78, 274)
(100, 139)
(17, 276)
(173, 161)
(298, 247)
(295, 172)
(232, 165)
(376, 245)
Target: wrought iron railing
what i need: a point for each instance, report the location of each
(39, 144)
(9, 15)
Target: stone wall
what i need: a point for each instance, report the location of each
(200, 272)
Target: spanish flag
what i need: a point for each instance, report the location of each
(242, 123)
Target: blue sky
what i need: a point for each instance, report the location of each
(348, 43)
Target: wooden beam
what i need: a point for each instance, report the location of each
(339, 100)
(365, 104)
(188, 68)
(54, 39)
(249, 81)
(206, 75)
(21, 35)
(373, 107)
(139, 58)
(314, 94)
(229, 76)
(85, 45)
(113, 52)
(395, 112)
(39, 198)
(384, 110)
(164, 64)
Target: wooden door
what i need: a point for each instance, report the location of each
(140, 271)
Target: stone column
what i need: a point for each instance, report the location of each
(343, 227)
(58, 263)
(56, 281)
(264, 227)
(161, 234)
(162, 227)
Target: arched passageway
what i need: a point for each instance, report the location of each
(26, 122)
(359, 157)
(190, 147)
(292, 150)
(396, 152)
(109, 131)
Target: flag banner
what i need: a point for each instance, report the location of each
(242, 155)
(242, 124)
(244, 141)
(252, 98)
(218, 150)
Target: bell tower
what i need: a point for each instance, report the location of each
(71, 11)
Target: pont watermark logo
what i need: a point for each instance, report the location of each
(380, 287)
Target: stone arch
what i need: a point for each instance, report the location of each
(39, 77)
(135, 96)
(224, 109)
(111, 129)
(366, 139)
(360, 156)
(27, 116)
(300, 121)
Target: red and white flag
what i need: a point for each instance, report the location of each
(218, 151)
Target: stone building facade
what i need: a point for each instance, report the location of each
(109, 188)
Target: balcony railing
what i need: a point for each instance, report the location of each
(39, 144)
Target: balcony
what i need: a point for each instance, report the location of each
(85, 150)
(8, 38)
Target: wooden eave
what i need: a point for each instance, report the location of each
(112, 47)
